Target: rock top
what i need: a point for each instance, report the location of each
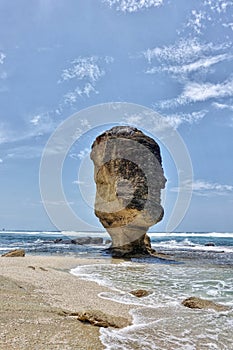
(129, 177)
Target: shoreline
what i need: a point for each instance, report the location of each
(37, 291)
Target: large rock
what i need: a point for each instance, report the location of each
(15, 253)
(198, 303)
(129, 178)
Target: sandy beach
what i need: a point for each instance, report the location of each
(36, 294)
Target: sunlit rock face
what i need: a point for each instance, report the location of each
(129, 178)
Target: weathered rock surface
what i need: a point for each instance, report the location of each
(15, 253)
(100, 319)
(129, 178)
(139, 293)
(198, 303)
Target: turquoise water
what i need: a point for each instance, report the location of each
(180, 245)
(160, 321)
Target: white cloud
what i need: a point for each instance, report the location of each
(41, 124)
(182, 52)
(228, 25)
(219, 6)
(188, 56)
(83, 153)
(201, 63)
(78, 182)
(79, 154)
(203, 91)
(35, 120)
(35, 126)
(87, 71)
(83, 68)
(222, 106)
(133, 5)
(1, 160)
(208, 12)
(72, 96)
(175, 120)
(165, 121)
(2, 57)
(199, 92)
(133, 119)
(204, 188)
(196, 21)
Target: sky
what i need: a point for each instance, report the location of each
(59, 58)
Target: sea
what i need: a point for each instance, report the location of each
(201, 265)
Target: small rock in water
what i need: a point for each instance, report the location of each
(140, 293)
(198, 303)
(15, 253)
(210, 244)
(80, 240)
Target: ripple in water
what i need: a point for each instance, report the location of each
(159, 320)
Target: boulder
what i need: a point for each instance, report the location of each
(129, 177)
(58, 240)
(15, 253)
(198, 303)
(139, 293)
(100, 319)
(210, 244)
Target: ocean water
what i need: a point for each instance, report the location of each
(43, 242)
(159, 320)
(202, 266)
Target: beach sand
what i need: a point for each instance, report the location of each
(34, 292)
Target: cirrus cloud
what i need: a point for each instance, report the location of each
(133, 5)
(205, 188)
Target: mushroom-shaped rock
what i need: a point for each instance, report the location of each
(129, 178)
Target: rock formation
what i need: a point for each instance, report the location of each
(129, 178)
(198, 303)
(15, 253)
(100, 319)
(139, 293)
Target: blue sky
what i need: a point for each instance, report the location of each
(60, 57)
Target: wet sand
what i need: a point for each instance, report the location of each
(34, 293)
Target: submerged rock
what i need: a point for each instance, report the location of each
(80, 240)
(15, 253)
(129, 178)
(198, 303)
(210, 244)
(139, 293)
